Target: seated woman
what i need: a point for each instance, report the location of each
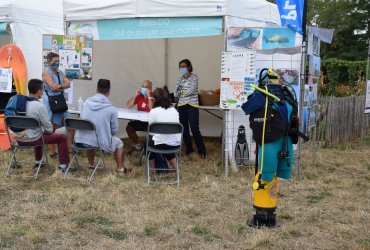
(163, 111)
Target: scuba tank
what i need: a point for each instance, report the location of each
(241, 147)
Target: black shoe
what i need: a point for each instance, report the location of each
(43, 164)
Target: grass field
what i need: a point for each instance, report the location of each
(327, 209)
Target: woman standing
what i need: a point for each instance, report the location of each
(187, 93)
(55, 82)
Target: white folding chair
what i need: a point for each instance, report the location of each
(165, 129)
(25, 122)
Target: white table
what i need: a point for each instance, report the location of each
(211, 109)
(123, 113)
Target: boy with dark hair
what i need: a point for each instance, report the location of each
(104, 115)
(37, 110)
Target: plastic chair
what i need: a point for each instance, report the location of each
(83, 125)
(165, 129)
(24, 122)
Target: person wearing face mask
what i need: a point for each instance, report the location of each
(143, 99)
(187, 93)
(55, 82)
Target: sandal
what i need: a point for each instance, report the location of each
(123, 170)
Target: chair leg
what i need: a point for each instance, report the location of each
(74, 158)
(46, 158)
(101, 160)
(148, 167)
(178, 169)
(11, 162)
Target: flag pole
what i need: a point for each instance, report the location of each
(302, 86)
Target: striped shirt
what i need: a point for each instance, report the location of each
(187, 90)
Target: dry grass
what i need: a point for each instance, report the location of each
(327, 209)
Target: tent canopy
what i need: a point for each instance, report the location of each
(89, 10)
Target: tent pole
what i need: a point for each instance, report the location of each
(166, 62)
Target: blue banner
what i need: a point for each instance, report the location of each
(291, 14)
(149, 28)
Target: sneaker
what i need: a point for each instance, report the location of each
(63, 170)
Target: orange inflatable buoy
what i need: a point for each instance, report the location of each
(11, 56)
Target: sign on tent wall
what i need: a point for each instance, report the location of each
(75, 54)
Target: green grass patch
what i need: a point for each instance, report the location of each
(150, 231)
(114, 234)
(319, 197)
(200, 230)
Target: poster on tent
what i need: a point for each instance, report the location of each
(242, 38)
(75, 54)
(313, 70)
(237, 69)
(6, 80)
(68, 93)
(313, 48)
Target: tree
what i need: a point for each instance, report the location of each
(350, 21)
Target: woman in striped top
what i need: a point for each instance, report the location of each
(187, 93)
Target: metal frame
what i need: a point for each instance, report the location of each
(24, 122)
(151, 130)
(85, 125)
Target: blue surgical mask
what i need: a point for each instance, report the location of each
(183, 70)
(55, 65)
(143, 91)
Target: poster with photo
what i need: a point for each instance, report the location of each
(288, 76)
(237, 69)
(241, 39)
(313, 70)
(313, 48)
(278, 38)
(68, 93)
(75, 54)
(6, 75)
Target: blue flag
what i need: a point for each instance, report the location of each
(291, 14)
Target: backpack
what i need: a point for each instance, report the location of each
(17, 106)
(276, 125)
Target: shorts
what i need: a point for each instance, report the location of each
(164, 147)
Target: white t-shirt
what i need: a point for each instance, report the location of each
(160, 114)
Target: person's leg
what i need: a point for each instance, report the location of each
(131, 132)
(37, 150)
(118, 156)
(61, 140)
(193, 115)
(185, 123)
(51, 147)
(90, 157)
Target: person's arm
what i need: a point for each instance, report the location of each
(150, 99)
(114, 122)
(44, 119)
(132, 101)
(46, 77)
(152, 115)
(66, 84)
(193, 89)
(177, 89)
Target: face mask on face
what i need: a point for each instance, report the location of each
(55, 65)
(143, 91)
(183, 70)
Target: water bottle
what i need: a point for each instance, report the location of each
(79, 103)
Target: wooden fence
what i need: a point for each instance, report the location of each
(341, 120)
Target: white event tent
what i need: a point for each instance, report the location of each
(127, 62)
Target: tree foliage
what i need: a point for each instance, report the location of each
(350, 21)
